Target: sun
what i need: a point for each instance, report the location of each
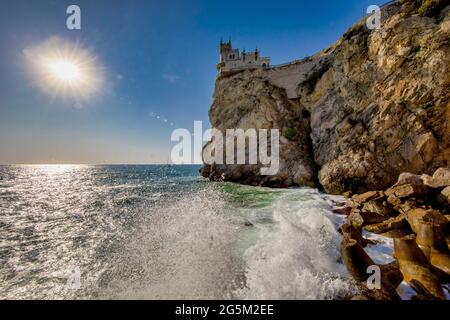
(65, 70)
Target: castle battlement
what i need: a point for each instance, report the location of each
(231, 59)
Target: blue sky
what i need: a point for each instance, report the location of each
(158, 59)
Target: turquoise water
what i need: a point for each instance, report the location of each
(155, 232)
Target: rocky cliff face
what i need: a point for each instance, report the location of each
(356, 115)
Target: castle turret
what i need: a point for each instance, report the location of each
(231, 59)
(225, 49)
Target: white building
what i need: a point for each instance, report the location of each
(231, 59)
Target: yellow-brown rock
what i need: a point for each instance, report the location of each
(416, 269)
(431, 241)
(415, 216)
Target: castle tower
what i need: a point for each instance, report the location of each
(225, 49)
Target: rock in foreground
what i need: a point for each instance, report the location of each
(418, 220)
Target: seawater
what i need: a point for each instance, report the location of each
(162, 232)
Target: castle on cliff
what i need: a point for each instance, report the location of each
(231, 59)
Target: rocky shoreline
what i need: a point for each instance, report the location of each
(357, 116)
(415, 214)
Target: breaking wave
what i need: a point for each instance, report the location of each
(159, 232)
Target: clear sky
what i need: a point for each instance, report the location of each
(157, 60)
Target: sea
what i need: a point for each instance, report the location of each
(163, 232)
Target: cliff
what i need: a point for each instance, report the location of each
(354, 116)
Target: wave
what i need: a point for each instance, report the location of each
(199, 248)
(299, 257)
(182, 251)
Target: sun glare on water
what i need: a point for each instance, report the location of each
(65, 70)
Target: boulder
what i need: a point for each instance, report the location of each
(361, 198)
(409, 205)
(415, 216)
(355, 259)
(441, 178)
(444, 196)
(355, 218)
(351, 232)
(394, 200)
(416, 269)
(381, 209)
(427, 180)
(407, 190)
(358, 261)
(396, 223)
(360, 218)
(431, 241)
(409, 178)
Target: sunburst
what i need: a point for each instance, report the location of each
(65, 70)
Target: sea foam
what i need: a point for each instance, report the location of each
(299, 257)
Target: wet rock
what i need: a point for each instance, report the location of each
(415, 216)
(397, 233)
(370, 212)
(422, 292)
(356, 259)
(381, 209)
(416, 269)
(339, 203)
(343, 211)
(356, 219)
(396, 223)
(431, 241)
(351, 232)
(372, 217)
(357, 262)
(347, 194)
(392, 274)
(361, 198)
